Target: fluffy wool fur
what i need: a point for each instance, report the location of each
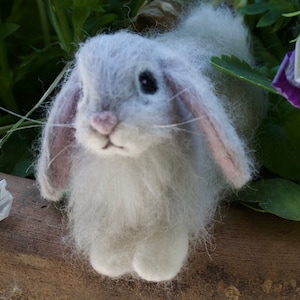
(145, 169)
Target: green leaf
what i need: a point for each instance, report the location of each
(276, 196)
(268, 19)
(279, 139)
(104, 20)
(293, 14)
(254, 8)
(7, 29)
(270, 12)
(238, 68)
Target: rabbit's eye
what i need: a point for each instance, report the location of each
(148, 82)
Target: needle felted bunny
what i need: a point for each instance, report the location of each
(146, 136)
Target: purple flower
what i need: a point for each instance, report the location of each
(285, 82)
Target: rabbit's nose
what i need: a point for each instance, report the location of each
(104, 122)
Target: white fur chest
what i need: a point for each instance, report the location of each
(123, 193)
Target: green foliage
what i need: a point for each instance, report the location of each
(274, 26)
(270, 12)
(280, 141)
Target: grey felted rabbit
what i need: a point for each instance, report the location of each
(149, 137)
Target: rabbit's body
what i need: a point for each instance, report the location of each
(153, 145)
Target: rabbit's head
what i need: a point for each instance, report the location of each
(122, 96)
(124, 100)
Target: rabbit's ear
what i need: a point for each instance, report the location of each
(197, 95)
(57, 141)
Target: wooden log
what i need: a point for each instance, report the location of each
(253, 256)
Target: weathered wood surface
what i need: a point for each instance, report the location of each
(255, 256)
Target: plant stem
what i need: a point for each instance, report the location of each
(44, 97)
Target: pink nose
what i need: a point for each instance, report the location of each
(104, 122)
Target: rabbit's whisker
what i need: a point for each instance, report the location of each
(188, 131)
(178, 124)
(174, 97)
(64, 125)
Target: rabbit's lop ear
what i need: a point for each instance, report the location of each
(57, 141)
(197, 95)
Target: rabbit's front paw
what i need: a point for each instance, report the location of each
(110, 262)
(160, 258)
